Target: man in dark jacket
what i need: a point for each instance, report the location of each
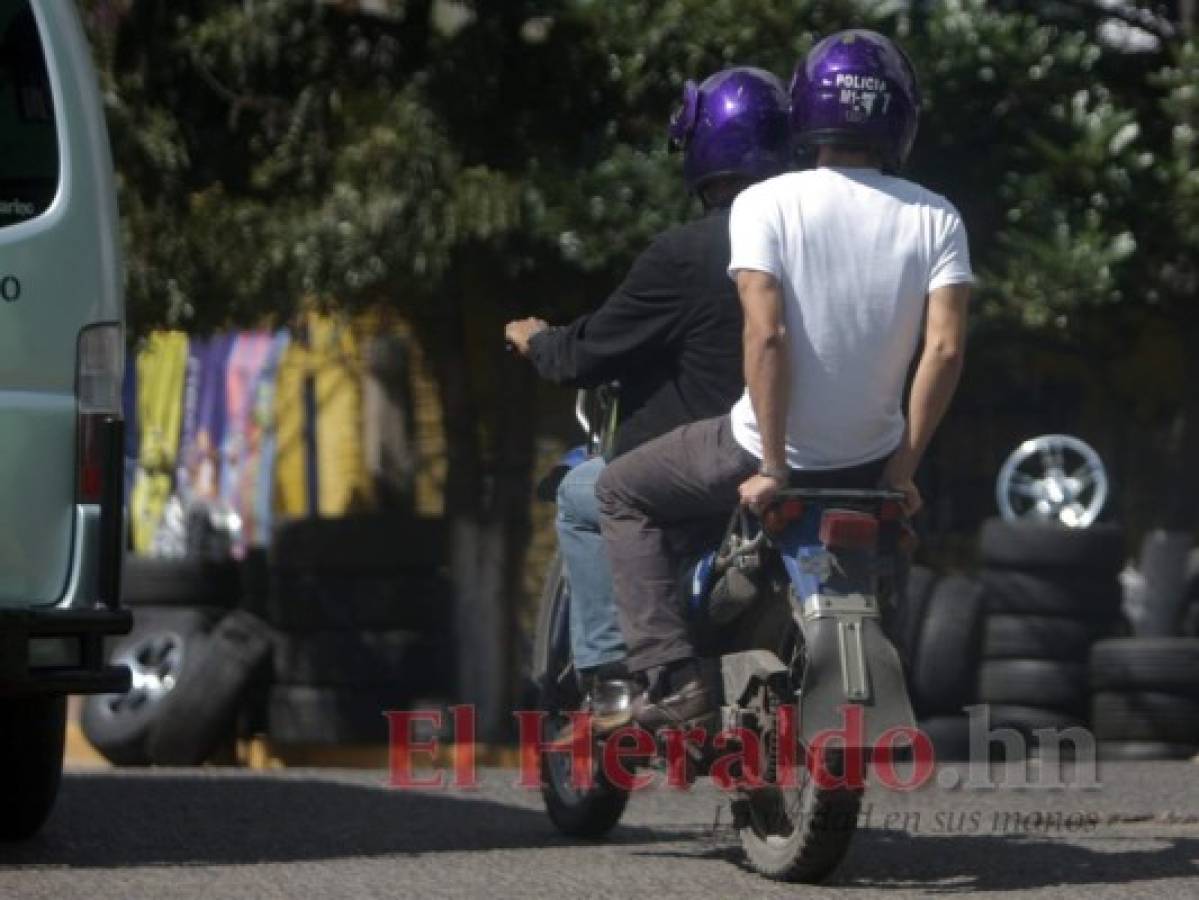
(670, 334)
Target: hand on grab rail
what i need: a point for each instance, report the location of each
(758, 490)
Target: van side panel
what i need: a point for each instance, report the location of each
(36, 513)
(67, 264)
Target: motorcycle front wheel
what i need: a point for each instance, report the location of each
(576, 811)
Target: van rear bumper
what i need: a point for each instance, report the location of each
(60, 651)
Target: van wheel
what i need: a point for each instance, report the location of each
(32, 734)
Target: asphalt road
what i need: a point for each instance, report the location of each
(218, 833)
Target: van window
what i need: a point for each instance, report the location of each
(28, 140)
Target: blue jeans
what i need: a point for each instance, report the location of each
(595, 636)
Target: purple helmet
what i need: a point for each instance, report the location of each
(733, 124)
(857, 89)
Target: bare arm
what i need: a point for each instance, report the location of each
(766, 375)
(936, 379)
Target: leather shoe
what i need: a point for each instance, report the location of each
(611, 702)
(689, 705)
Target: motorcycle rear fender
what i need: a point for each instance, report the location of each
(849, 660)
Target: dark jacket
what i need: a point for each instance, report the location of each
(670, 334)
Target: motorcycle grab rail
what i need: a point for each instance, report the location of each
(838, 494)
(751, 545)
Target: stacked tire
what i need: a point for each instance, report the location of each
(1145, 703)
(940, 634)
(1049, 593)
(192, 656)
(362, 620)
(1190, 613)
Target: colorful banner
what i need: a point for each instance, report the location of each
(259, 424)
(242, 445)
(246, 360)
(160, 373)
(291, 495)
(344, 484)
(204, 419)
(257, 489)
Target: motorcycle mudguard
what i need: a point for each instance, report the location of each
(849, 660)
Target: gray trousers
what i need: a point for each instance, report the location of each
(658, 503)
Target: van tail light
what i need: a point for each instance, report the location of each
(100, 479)
(98, 373)
(91, 462)
(780, 515)
(848, 529)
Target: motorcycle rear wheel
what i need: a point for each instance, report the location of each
(799, 834)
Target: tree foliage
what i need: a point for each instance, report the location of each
(284, 151)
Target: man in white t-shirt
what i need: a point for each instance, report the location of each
(841, 271)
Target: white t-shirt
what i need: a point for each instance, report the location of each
(857, 253)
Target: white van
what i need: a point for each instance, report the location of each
(61, 349)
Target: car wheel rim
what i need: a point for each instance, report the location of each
(1053, 478)
(155, 663)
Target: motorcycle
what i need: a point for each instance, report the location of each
(788, 608)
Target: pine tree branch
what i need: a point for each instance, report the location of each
(1131, 15)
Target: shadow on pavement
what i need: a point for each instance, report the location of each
(207, 819)
(881, 860)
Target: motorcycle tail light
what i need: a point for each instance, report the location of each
(848, 529)
(779, 516)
